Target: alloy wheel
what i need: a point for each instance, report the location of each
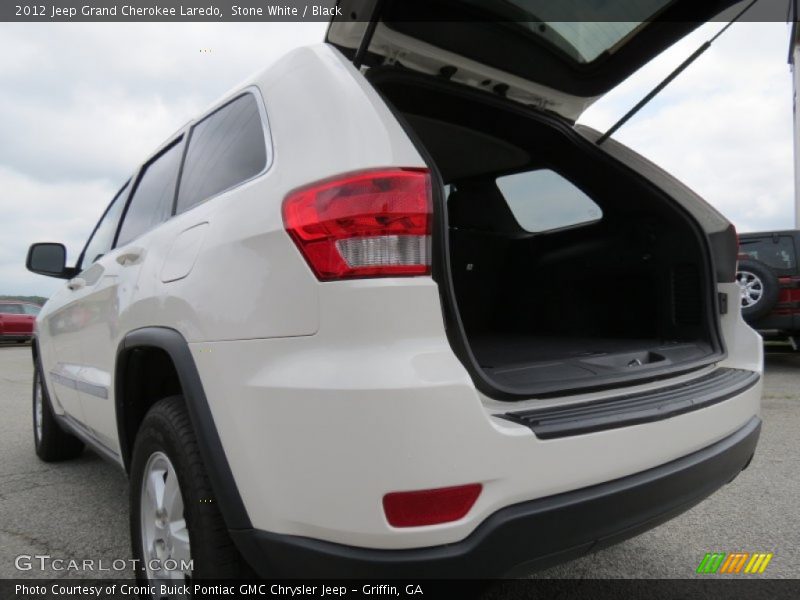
(165, 536)
(751, 288)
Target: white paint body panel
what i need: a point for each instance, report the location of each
(183, 253)
(376, 402)
(326, 396)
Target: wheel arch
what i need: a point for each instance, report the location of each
(176, 348)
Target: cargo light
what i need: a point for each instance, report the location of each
(430, 507)
(370, 224)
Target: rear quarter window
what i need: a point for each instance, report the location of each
(225, 149)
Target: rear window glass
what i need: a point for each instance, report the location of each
(225, 149)
(543, 200)
(103, 236)
(11, 309)
(778, 253)
(152, 199)
(583, 41)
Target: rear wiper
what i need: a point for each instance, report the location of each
(666, 81)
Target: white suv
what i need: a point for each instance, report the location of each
(403, 317)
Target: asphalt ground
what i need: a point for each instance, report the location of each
(79, 509)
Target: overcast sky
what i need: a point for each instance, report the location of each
(82, 104)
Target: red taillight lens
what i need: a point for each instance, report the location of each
(429, 507)
(371, 224)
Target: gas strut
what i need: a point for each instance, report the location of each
(368, 33)
(666, 81)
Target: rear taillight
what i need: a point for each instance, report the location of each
(430, 507)
(371, 224)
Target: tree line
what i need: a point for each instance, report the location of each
(40, 300)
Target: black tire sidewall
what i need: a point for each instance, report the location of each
(37, 382)
(55, 444)
(771, 290)
(212, 552)
(153, 438)
(48, 419)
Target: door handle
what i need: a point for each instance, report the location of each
(130, 256)
(76, 283)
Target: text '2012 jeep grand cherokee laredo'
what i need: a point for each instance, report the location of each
(404, 318)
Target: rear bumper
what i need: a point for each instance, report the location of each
(528, 535)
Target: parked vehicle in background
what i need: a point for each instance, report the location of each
(769, 280)
(17, 320)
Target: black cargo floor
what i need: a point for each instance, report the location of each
(515, 360)
(504, 350)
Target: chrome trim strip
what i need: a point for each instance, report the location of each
(98, 391)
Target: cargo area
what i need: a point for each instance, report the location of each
(563, 270)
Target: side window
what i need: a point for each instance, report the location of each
(777, 252)
(543, 200)
(152, 198)
(11, 309)
(30, 309)
(225, 149)
(103, 237)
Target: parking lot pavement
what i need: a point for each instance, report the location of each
(76, 509)
(79, 509)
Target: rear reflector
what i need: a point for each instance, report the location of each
(429, 507)
(371, 224)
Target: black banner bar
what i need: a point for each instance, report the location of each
(711, 588)
(41, 11)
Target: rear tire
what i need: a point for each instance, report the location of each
(759, 289)
(166, 456)
(51, 442)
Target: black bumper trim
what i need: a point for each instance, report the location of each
(528, 535)
(634, 409)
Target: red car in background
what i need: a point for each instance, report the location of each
(16, 320)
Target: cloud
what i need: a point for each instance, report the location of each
(724, 127)
(44, 212)
(82, 104)
(91, 100)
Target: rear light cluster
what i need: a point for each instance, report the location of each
(370, 224)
